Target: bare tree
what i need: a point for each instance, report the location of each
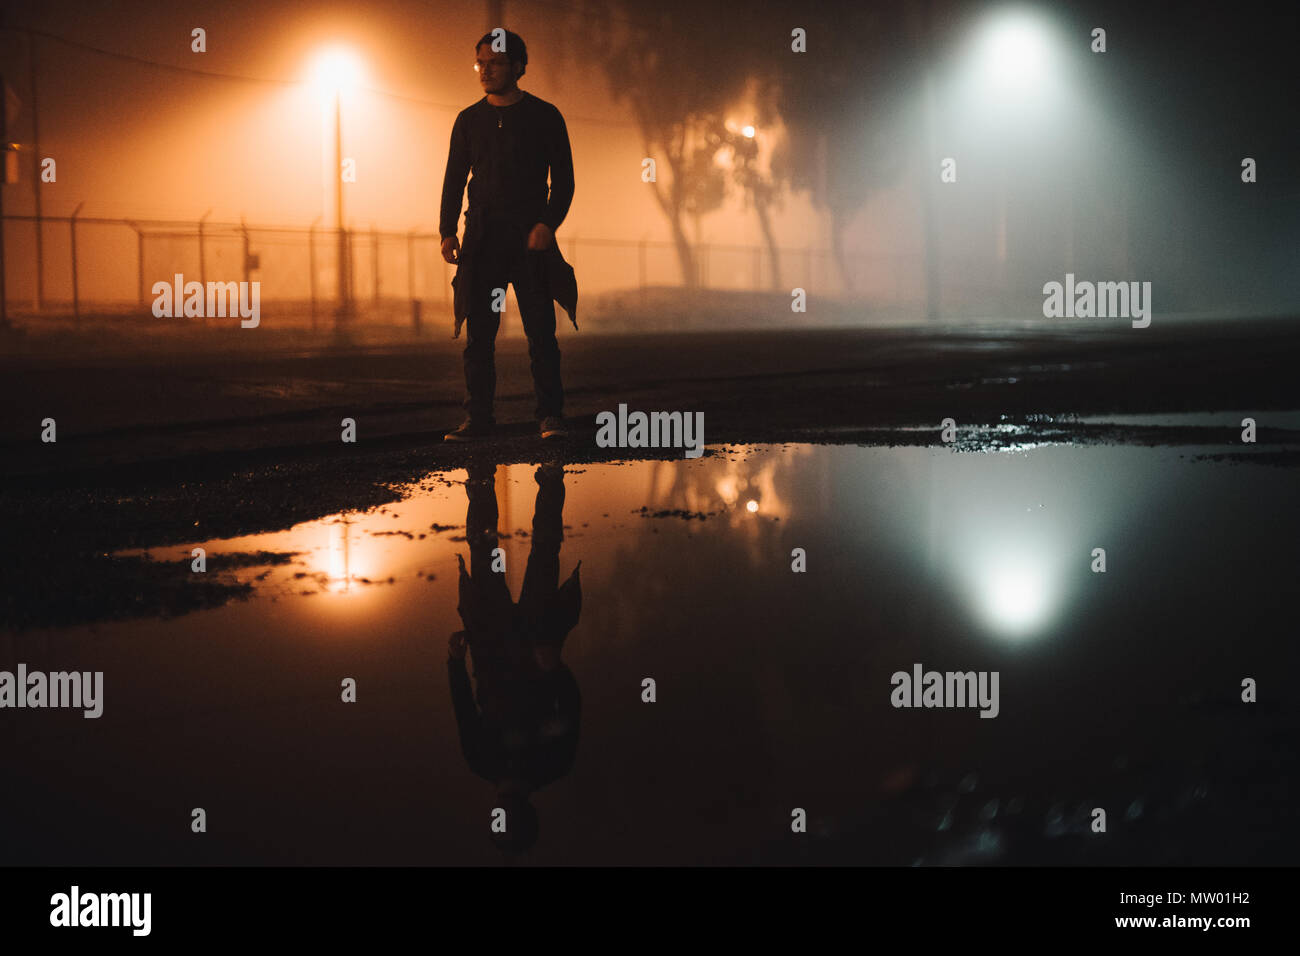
(666, 64)
(764, 183)
(839, 102)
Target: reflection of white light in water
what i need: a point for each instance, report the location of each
(1015, 596)
(751, 505)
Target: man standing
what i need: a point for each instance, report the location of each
(510, 139)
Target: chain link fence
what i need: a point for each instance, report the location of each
(84, 267)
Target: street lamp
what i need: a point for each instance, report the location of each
(1014, 74)
(336, 71)
(1016, 55)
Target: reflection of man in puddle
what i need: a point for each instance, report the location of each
(523, 731)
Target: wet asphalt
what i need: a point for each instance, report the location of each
(231, 437)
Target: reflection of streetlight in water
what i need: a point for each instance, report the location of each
(340, 554)
(736, 487)
(1017, 593)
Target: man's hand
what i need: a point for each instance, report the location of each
(450, 248)
(540, 237)
(456, 646)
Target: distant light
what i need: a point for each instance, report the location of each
(749, 132)
(1015, 52)
(751, 505)
(336, 70)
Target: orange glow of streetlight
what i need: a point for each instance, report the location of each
(336, 70)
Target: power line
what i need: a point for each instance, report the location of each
(135, 59)
(419, 101)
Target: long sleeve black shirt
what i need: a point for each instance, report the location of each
(550, 750)
(509, 149)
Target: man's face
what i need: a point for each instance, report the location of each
(495, 72)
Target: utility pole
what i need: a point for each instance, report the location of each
(930, 225)
(39, 302)
(4, 175)
(4, 157)
(344, 293)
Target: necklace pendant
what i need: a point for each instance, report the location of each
(498, 121)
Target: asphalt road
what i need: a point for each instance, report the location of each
(218, 405)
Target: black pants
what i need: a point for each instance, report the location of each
(542, 574)
(500, 257)
(502, 634)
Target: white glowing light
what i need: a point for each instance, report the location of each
(748, 132)
(751, 506)
(1015, 61)
(1017, 53)
(1016, 596)
(336, 70)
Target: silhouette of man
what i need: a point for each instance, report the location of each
(509, 139)
(521, 732)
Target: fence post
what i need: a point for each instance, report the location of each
(311, 268)
(374, 262)
(410, 281)
(139, 263)
(76, 298)
(410, 265)
(243, 227)
(203, 267)
(349, 238)
(640, 268)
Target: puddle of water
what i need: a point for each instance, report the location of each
(1118, 690)
(1230, 421)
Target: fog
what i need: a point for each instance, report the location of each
(913, 160)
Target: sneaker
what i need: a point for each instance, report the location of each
(553, 427)
(469, 430)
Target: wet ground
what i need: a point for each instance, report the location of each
(206, 405)
(1119, 690)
